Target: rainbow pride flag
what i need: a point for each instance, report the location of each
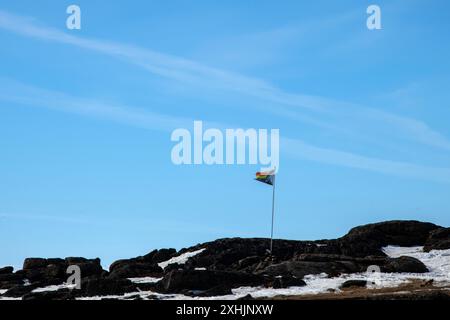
(266, 177)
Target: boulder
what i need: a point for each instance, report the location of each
(354, 284)
(157, 256)
(299, 269)
(179, 280)
(135, 270)
(6, 270)
(11, 277)
(369, 239)
(233, 254)
(90, 268)
(63, 294)
(404, 264)
(93, 286)
(287, 281)
(149, 260)
(34, 263)
(438, 240)
(220, 290)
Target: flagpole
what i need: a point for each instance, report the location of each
(273, 214)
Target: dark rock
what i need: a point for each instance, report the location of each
(118, 264)
(41, 270)
(438, 240)
(174, 266)
(55, 271)
(75, 260)
(34, 275)
(55, 261)
(287, 281)
(99, 286)
(19, 291)
(11, 277)
(235, 262)
(299, 269)
(178, 280)
(63, 294)
(90, 268)
(404, 264)
(220, 290)
(354, 284)
(34, 263)
(248, 297)
(6, 270)
(4, 285)
(134, 270)
(369, 239)
(157, 256)
(141, 266)
(231, 254)
(249, 261)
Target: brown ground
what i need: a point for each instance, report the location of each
(414, 290)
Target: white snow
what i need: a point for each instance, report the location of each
(9, 298)
(144, 280)
(181, 259)
(437, 262)
(54, 288)
(2, 292)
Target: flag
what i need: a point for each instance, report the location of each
(266, 177)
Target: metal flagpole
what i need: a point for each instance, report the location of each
(273, 214)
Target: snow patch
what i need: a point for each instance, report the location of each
(181, 259)
(54, 288)
(144, 280)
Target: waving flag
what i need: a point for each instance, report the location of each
(266, 177)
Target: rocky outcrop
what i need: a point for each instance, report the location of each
(438, 239)
(353, 284)
(143, 266)
(369, 239)
(178, 281)
(229, 263)
(6, 270)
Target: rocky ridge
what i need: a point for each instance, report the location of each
(224, 264)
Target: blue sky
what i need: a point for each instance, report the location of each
(86, 117)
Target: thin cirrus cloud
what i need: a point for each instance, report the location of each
(302, 150)
(13, 92)
(300, 107)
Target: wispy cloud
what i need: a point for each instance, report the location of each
(314, 110)
(14, 92)
(192, 72)
(302, 150)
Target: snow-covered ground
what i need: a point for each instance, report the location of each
(437, 261)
